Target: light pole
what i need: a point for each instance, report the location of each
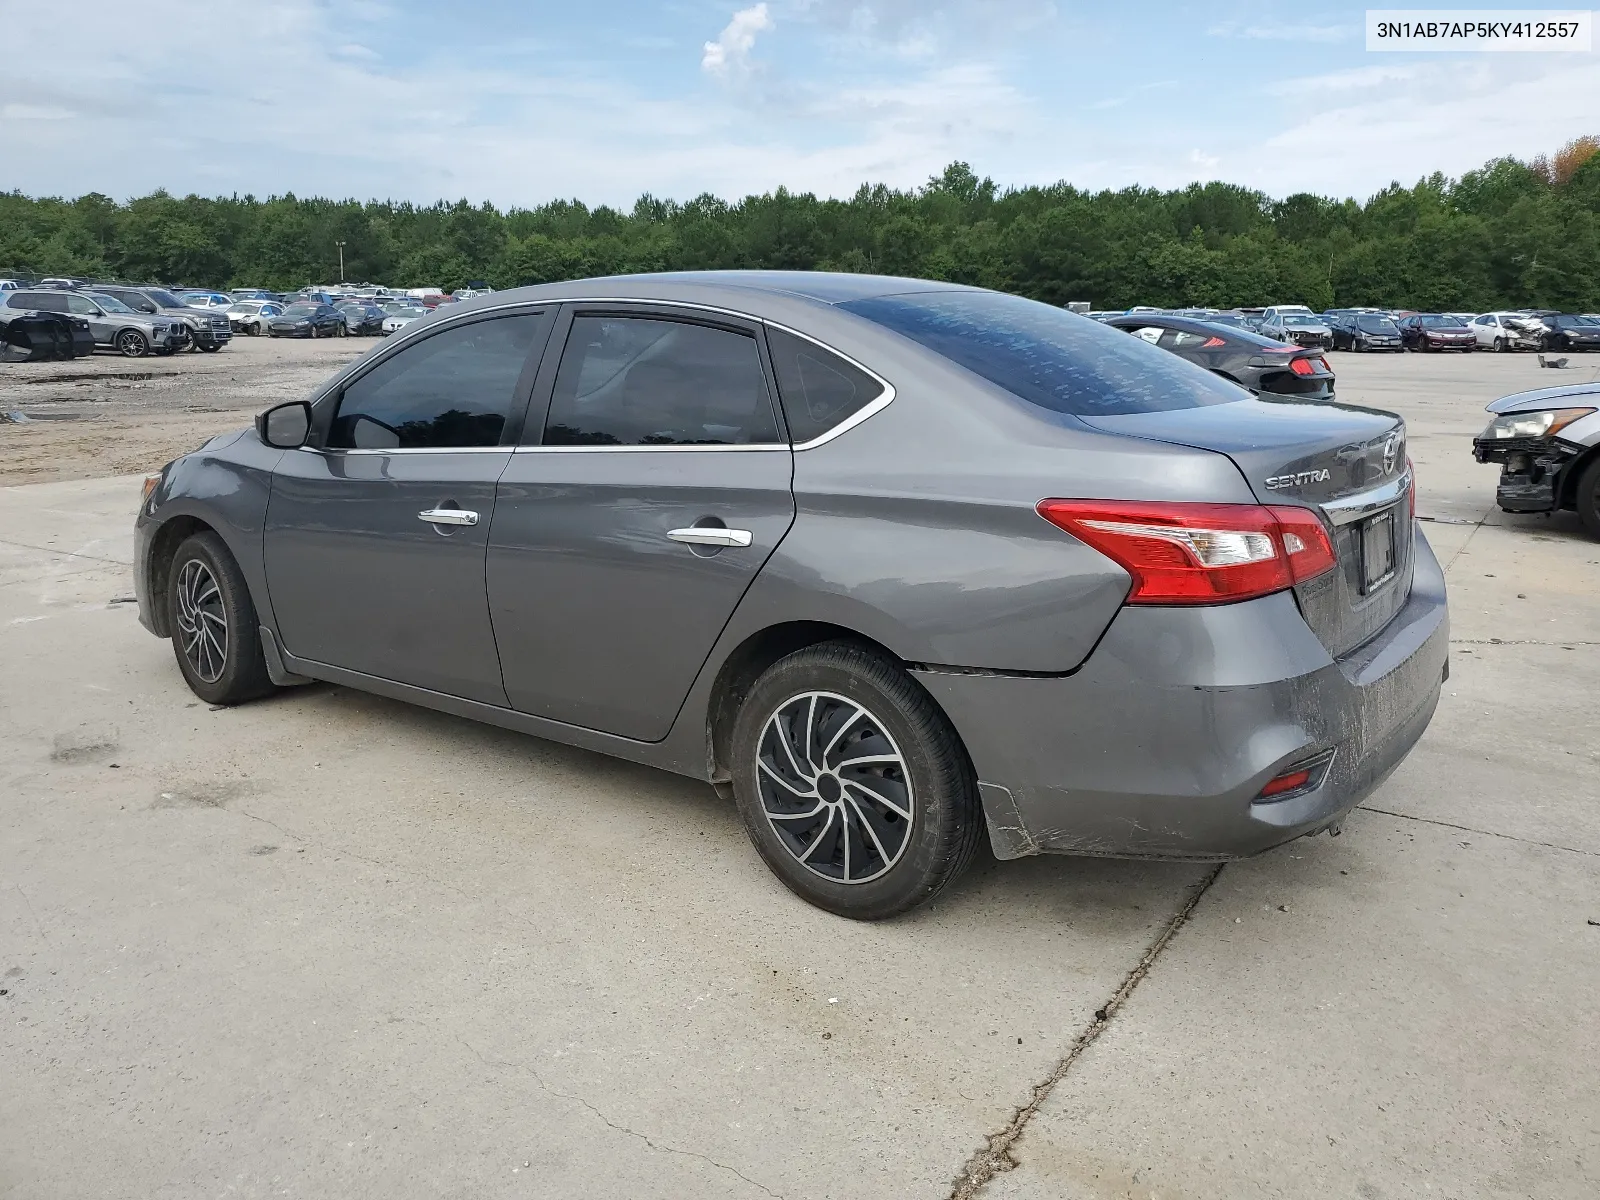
(341, 260)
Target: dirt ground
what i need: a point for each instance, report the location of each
(109, 415)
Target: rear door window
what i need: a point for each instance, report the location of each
(450, 390)
(1048, 356)
(819, 390)
(44, 301)
(647, 381)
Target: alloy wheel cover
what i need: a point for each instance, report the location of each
(202, 621)
(834, 787)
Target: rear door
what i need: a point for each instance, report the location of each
(375, 537)
(655, 484)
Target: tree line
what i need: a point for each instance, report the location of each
(1511, 234)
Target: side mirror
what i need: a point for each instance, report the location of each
(285, 427)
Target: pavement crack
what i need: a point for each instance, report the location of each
(38, 924)
(996, 1158)
(1516, 642)
(1509, 837)
(69, 554)
(1462, 549)
(661, 1147)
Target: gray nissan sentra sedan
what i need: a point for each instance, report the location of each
(895, 563)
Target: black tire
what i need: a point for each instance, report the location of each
(132, 344)
(1500, 346)
(226, 665)
(1586, 498)
(862, 697)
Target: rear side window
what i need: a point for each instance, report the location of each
(44, 301)
(639, 381)
(818, 388)
(1046, 355)
(452, 389)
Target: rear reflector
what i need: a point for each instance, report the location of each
(1290, 782)
(1199, 553)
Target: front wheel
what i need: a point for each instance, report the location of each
(1500, 346)
(852, 783)
(342, 330)
(133, 344)
(216, 635)
(1586, 498)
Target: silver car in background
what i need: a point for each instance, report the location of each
(1547, 442)
(898, 565)
(397, 318)
(113, 324)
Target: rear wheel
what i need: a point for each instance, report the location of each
(1586, 498)
(216, 635)
(133, 344)
(852, 783)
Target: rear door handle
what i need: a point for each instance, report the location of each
(448, 516)
(710, 535)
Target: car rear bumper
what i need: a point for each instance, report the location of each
(1159, 746)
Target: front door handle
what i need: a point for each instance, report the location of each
(710, 535)
(448, 516)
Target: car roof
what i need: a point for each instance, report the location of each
(825, 287)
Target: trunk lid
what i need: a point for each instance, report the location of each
(1347, 463)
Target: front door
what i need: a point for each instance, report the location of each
(101, 323)
(375, 536)
(624, 539)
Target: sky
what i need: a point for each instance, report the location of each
(520, 102)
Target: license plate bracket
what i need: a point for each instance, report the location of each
(1377, 552)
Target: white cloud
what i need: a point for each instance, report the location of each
(1290, 31)
(34, 112)
(356, 50)
(731, 50)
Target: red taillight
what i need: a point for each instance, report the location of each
(1302, 366)
(1293, 781)
(1212, 343)
(1199, 553)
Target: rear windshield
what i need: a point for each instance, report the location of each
(1046, 355)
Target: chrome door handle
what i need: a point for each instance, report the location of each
(710, 535)
(448, 516)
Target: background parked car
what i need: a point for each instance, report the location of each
(113, 324)
(1239, 355)
(398, 318)
(1506, 331)
(307, 319)
(1567, 331)
(208, 329)
(361, 317)
(1366, 331)
(29, 335)
(196, 298)
(252, 316)
(1436, 331)
(1296, 324)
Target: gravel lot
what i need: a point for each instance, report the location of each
(330, 945)
(109, 415)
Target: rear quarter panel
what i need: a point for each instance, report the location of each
(918, 527)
